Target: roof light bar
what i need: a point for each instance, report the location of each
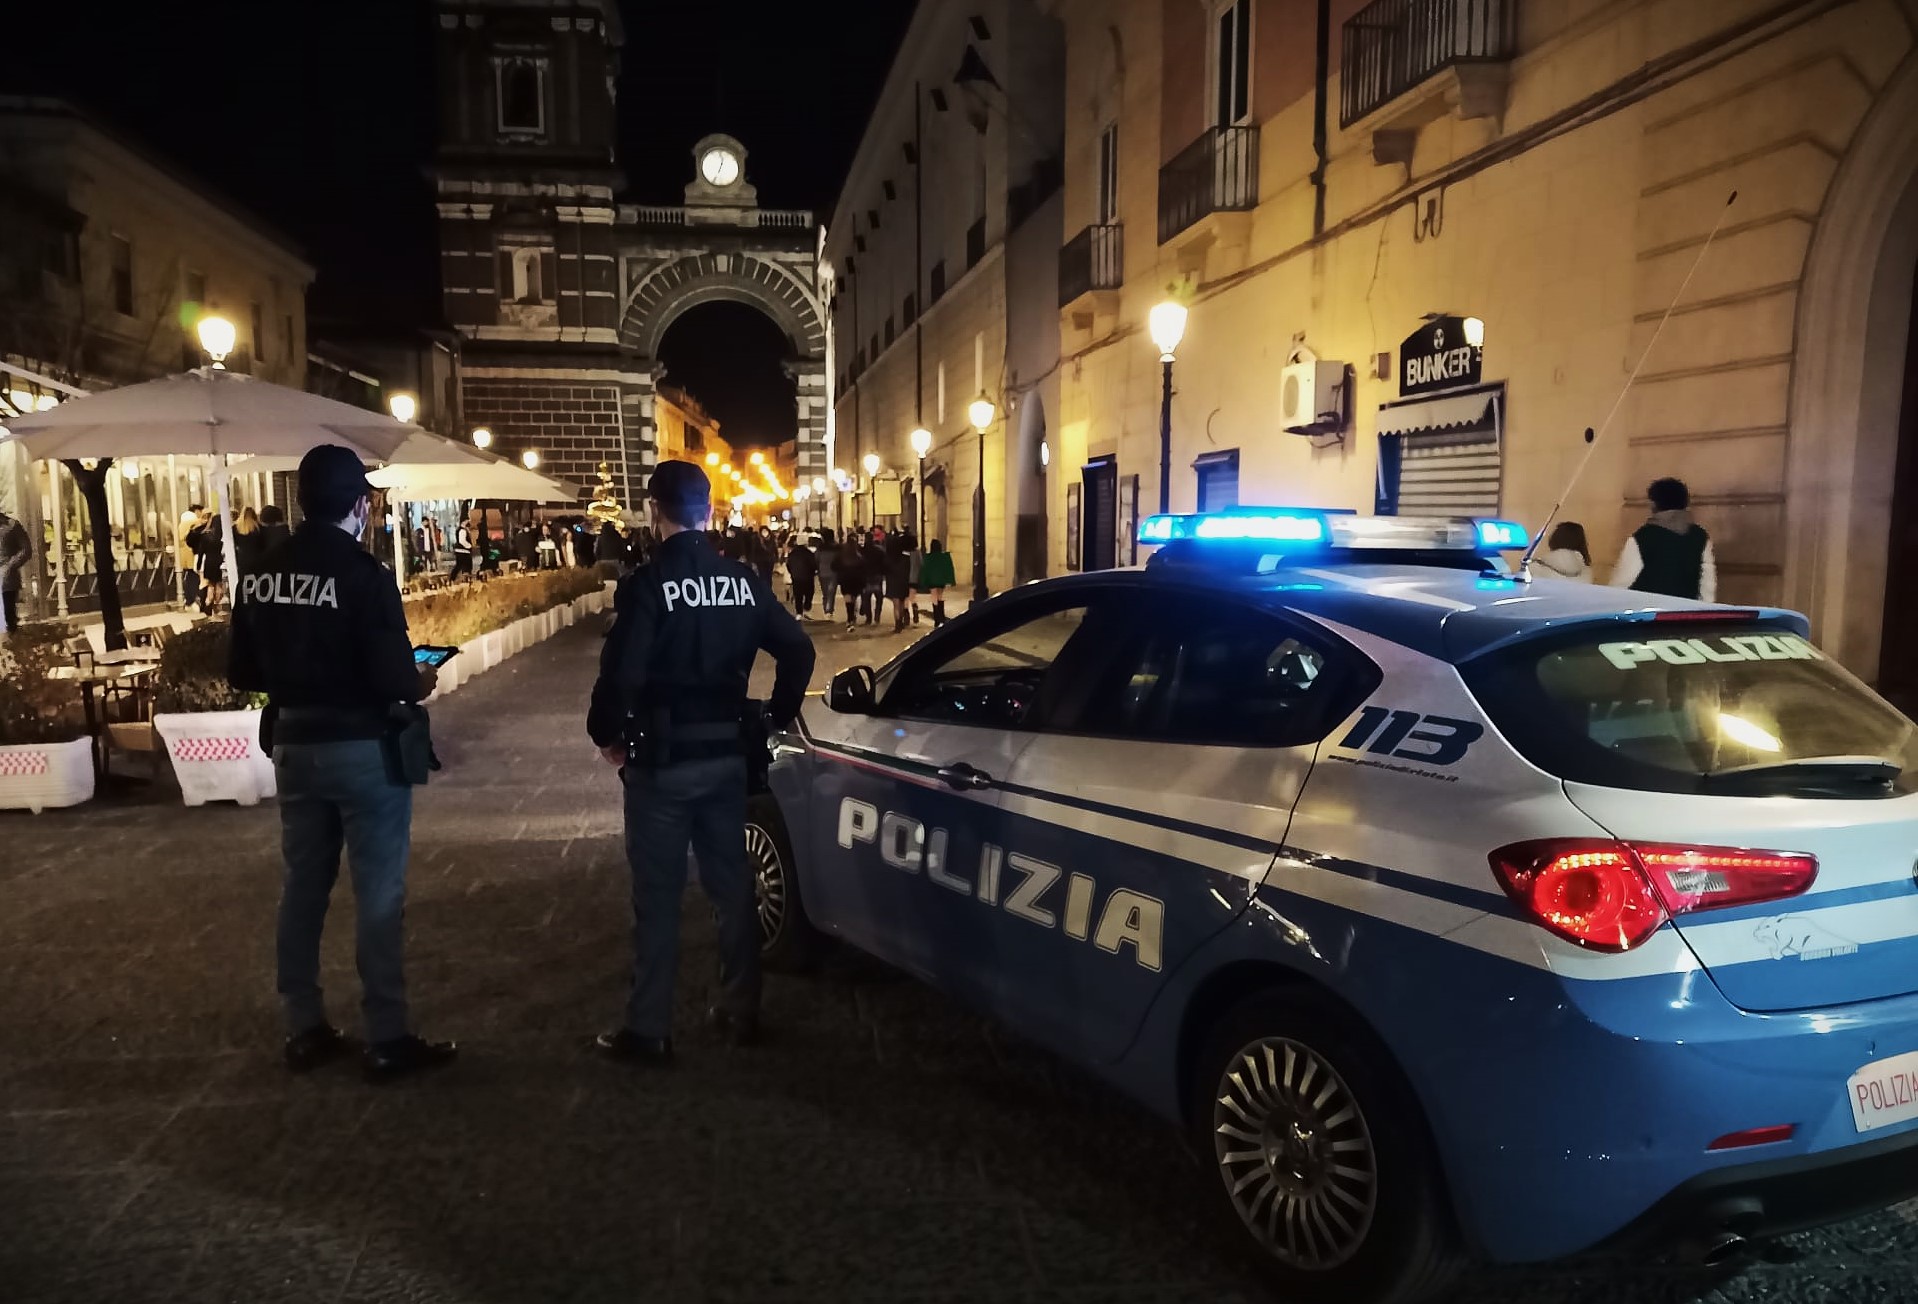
(1337, 529)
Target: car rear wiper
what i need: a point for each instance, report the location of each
(1815, 773)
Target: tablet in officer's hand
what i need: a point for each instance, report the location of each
(434, 657)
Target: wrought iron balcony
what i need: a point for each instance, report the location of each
(1092, 260)
(1393, 45)
(1217, 173)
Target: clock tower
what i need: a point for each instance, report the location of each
(719, 189)
(525, 180)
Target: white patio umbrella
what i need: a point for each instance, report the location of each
(211, 413)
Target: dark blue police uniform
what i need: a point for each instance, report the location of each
(672, 690)
(319, 628)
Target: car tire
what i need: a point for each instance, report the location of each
(787, 940)
(1319, 1154)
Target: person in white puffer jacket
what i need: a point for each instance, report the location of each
(1566, 555)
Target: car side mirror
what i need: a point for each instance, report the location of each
(851, 691)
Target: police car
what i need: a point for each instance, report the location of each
(1456, 914)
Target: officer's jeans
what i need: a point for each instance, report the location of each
(335, 795)
(701, 804)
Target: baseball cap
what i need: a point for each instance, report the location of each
(331, 480)
(681, 487)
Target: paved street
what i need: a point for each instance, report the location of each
(883, 1145)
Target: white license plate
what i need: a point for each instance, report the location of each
(1885, 1093)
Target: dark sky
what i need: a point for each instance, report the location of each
(318, 116)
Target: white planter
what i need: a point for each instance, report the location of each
(567, 614)
(493, 649)
(216, 756)
(35, 776)
(474, 656)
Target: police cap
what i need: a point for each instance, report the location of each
(331, 481)
(682, 491)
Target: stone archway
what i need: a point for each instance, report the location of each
(1854, 313)
(693, 266)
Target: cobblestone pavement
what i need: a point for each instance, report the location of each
(884, 1145)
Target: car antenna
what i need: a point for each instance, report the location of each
(1524, 575)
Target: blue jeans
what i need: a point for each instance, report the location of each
(334, 796)
(701, 804)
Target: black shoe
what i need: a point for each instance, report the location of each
(321, 1044)
(738, 1029)
(386, 1061)
(628, 1047)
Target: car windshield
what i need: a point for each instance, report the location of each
(1742, 709)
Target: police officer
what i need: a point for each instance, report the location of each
(669, 708)
(319, 629)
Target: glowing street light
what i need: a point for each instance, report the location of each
(482, 438)
(712, 459)
(982, 413)
(758, 458)
(403, 406)
(819, 485)
(530, 460)
(921, 445)
(1167, 327)
(216, 337)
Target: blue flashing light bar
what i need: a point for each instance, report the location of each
(1315, 527)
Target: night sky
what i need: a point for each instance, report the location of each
(317, 115)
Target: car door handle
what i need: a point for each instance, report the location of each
(964, 777)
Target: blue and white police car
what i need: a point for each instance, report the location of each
(1456, 914)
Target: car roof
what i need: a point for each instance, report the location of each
(1453, 614)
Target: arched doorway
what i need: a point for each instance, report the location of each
(1853, 468)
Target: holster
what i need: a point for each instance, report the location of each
(408, 745)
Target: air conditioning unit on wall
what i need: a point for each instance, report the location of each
(1312, 396)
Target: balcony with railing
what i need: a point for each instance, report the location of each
(1392, 47)
(765, 219)
(1217, 173)
(1092, 260)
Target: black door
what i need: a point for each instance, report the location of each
(1100, 532)
(1898, 658)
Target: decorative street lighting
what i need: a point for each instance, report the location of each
(216, 337)
(758, 458)
(921, 445)
(530, 460)
(983, 413)
(871, 463)
(482, 438)
(403, 406)
(1167, 326)
(712, 459)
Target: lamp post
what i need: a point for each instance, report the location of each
(1167, 325)
(216, 337)
(921, 445)
(403, 406)
(982, 413)
(482, 438)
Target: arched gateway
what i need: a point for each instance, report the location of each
(560, 293)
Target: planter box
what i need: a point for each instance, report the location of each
(216, 756)
(35, 776)
(493, 649)
(567, 614)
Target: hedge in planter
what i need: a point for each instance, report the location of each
(211, 730)
(455, 617)
(46, 759)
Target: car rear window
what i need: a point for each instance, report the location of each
(1744, 709)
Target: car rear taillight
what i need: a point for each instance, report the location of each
(1607, 895)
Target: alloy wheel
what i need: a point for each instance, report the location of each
(1295, 1153)
(769, 882)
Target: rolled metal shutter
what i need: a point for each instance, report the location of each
(1450, 475)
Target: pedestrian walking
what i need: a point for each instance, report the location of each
(463, 550)
(670, 709)
(851, 568)
(802, 566)
(273, 531)
(1566, 555)
(935, 577)
(246, 541)
(608, 546)
(766, 555)
(16, 550)
(898, 578)
(322, 633)
(873, 601)
(826, 554)
(185, 559)
(208, 540)
(1670, 553)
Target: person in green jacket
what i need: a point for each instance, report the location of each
(935, 577)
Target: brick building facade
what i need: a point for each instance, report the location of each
(561, 293)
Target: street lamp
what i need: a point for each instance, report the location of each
(482, 438)
(1167, 326)
(982, 413)
(216, 337)
(530, 460)
(921, 445)
(712, 459)
(871, 463)
(403, 406)
(758, 458)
